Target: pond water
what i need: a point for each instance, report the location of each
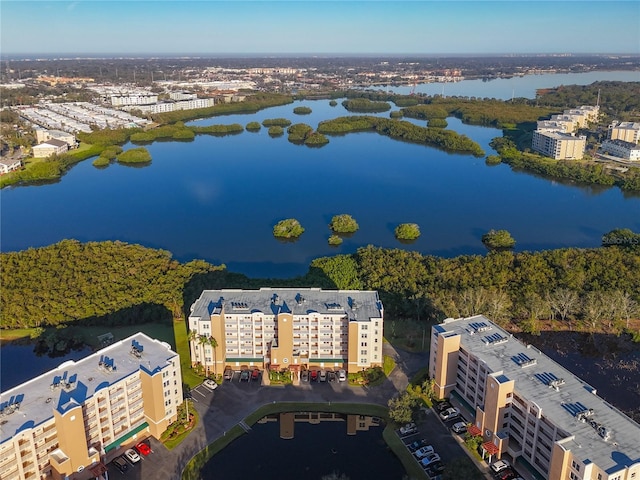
(316, 450)
(218, 198)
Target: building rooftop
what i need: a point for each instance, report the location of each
(33, 402)
(357, 305)
(602, 434)
(558, 135)
(622, 143)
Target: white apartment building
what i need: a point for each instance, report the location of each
(69, 422)
(179, 105)
(295, 328)
(50, 147)
(620, 148)
(528, 407)
(127, 99)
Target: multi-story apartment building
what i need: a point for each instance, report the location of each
(68, 422)
(527, 406)
(625, 131)
(163, 107)
(286, 328)
(622, 149)
(133, 98)
(558, 145)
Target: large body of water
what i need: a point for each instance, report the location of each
(515, 87)
(218, 198)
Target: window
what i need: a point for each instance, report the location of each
(365, 327)
(363, 352)
(364, 335)
(363, 344)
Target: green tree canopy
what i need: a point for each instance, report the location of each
(344, 223)
(407, 231)
(498, 240)
(288, 228)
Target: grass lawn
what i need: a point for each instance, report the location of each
(171, 443)
(408, 334)
(16, 334)
(189, 377)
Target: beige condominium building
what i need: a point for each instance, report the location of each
(295, 328)
(68, 422)
(559, 145)
(625, 131)
(527, 406)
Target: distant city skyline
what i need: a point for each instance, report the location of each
(202, 28)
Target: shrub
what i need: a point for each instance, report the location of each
(396, 114)
(276, 122)
(276, 131)
(498, 240)
(335, 240)
(253, 126)
(437, 123)
(288, 228)
(333, 103)
(407, 231)
(315, 139)
(135, 155)
(493, 160)
(302, 110)
(101, 162)
(343, 223)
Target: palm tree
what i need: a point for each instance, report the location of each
(214, 343)
(202, 341)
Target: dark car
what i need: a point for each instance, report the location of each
(121, 464)
(331, 376)
(434, 469)
(442, 406)
(314, 375)
(255, 374)
(228, 374)
(413, 446)
(244, 376)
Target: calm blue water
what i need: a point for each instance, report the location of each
(218, 199)
(506, 88)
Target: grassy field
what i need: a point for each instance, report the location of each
(181, 345)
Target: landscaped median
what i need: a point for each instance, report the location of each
(193, 467)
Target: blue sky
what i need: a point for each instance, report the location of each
(317, 27)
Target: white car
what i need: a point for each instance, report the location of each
(499, 466)
(342, 375)
(449, 413)
(132, 455)
(210, 384)
(408, 428)
(424, 451)
(459, 427)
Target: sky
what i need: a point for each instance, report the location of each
(205, 27)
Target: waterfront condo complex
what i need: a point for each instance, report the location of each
(70, 421)
(292, 328)
(530, 408)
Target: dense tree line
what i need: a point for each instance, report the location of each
(597, 288)
(365, 105)
(115, 282)
(95, 281)
(402, 130)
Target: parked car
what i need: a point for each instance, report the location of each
(429, 459)
(413, 446)
(434, 469)
(244, 376)
(424, 451)
(342, 375)
(132, 455)
(121, 464)
(443, 405)
(408, 429)
(500, 465)
(506, 474)
(323, 375)
(459, 427)
(449, 413)
(210, 384)
(255, 374)
(331, 376)
(304, 375)
(143, 449)
(314, 375)
(228, 374)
